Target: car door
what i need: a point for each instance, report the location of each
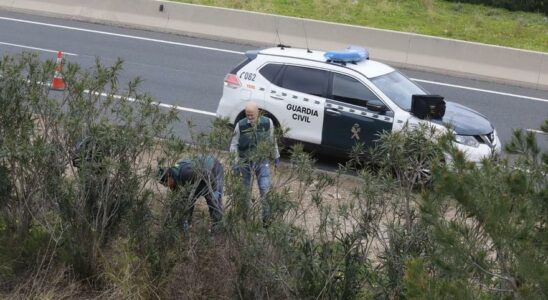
(297, 99)
(353, 114)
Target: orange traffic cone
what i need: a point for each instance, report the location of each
(58, 83)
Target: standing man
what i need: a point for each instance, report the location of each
(203, 176)
(255, 145)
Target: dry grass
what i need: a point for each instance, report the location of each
(49, 284)
(206, 270)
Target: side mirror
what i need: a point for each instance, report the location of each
(376, 106)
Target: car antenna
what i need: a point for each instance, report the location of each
(306, 38)
(280, 44)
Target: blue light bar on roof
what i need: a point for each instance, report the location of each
(351, 54)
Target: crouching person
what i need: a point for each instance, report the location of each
(203, 175)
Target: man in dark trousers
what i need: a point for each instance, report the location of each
(255, 145)
(203, 176)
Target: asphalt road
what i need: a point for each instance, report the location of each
(188, 72)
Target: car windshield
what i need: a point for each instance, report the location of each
(398, 88)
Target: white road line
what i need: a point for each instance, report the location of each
(192, 110)
(240, 53)
(479, 90)
(36, 48)
(165, 105)
(537, 131)
(121, 35)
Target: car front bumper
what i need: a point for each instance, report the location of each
(483, 151)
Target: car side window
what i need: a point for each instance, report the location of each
(270, 71)
(349, 90)
(305, 80)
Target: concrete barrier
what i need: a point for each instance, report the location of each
(268, 29)
(476, 60)
(473, 60)
(67, 8)
(543, 74)
(139, 13)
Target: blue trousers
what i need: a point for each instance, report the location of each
(262, 173)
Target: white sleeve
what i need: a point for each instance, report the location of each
(235, 139)
(273, 137)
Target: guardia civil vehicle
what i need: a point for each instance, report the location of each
(336, 99)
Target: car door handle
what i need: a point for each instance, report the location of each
(276, 97)
(333, 112)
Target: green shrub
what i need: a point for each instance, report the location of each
(404, 225)
(488, 225)
(522, 5)
(77, 211)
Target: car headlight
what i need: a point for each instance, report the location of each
(467, 140)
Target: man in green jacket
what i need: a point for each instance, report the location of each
(255, 145)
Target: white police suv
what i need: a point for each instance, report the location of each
(339, 98)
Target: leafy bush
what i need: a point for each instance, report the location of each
(77, 211)
(403, 226)
(488, 225)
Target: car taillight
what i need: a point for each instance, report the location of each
(231, 80)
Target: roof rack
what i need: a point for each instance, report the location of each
(282, 46)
